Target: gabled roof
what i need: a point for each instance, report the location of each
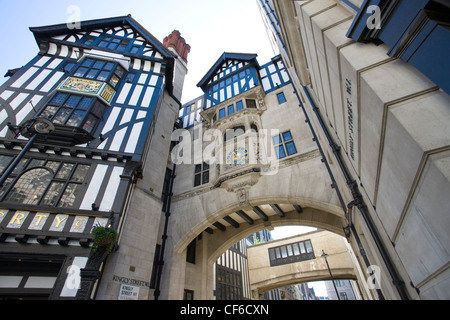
(223, 58)
(47, 32)
(54, 30)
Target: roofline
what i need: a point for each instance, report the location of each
(44, 32)
(56, 29)
(223, 57)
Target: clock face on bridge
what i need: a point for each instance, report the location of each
(237, 157)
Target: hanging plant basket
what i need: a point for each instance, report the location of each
(104, 237)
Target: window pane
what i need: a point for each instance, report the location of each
(287, 136)
(308, 246)
(114, 80)
(278, 253)
(80, 173)
(64, 172)
(280, 152)
(85, 103)
(52, 195)
(90, 123)
(99, 64)
(296, 250)
(103, 76)
(72, 102)
(251, 103)
(59, 99)
(53, 165)
(289, 249)
(92, 74)
(113, 45)
(239, 106)
(20, 166)
(30, 187)
(49, 112)
(302, 247)
(62, 116)
(290, 147)
(108, 66)
(89, 40)
(272, 254)
(69, 196)
(76, 118)
(81, 72)
(197, 179)
(283, 252)
(230, 109)
(281, 98)
(222, 113)
(276, 140)
(119, 71)
(88, 63)
(123, 44)
(198, 168)
(205, 177)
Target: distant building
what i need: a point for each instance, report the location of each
(345, 290)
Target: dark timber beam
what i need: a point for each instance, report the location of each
(219, 226)
(260, 213)
(298, 208)
(231, 221)
(244, 216)
(277, 210)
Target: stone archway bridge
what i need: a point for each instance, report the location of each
(298, 259)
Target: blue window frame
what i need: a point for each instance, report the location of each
(222, 113)
(239, 106)
(230, 109)
(281, 98)
(284, 145)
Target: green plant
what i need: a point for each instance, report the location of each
(103, 236)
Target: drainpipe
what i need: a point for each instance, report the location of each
(164, 236)
(358, 202)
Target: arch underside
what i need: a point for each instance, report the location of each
(223, 229)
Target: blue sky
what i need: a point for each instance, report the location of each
(210, 27)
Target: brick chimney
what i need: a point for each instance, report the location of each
(175, 41)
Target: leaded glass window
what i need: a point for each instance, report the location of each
(44, 182)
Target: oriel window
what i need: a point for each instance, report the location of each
(74, 111)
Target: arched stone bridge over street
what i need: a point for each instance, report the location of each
(298, 259)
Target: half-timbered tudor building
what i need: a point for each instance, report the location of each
(79, 126)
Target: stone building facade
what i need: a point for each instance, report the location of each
(373, 78)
